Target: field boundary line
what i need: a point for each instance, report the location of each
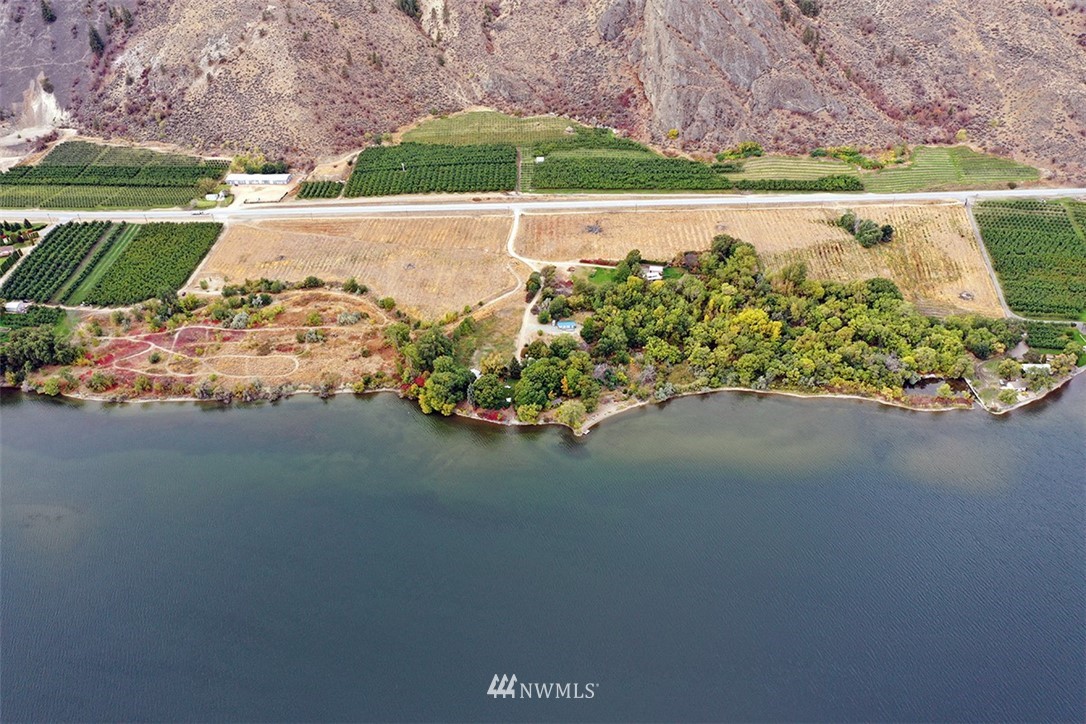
(988, 262)
(740, 207)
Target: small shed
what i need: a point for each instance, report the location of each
(6, 251)
(540, 159)
(16, 307)
(257, 179)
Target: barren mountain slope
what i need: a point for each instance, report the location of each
(306, 78)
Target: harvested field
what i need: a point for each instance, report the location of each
(429, 265)
(934, 257)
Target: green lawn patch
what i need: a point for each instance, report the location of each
(607, 274)
(602, 275)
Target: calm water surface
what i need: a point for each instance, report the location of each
(731, 557)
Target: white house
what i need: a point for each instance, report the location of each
(16, 307)
(257, 179)
(1037, 368)
(653, 272)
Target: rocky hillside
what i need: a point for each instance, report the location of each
(311, 77)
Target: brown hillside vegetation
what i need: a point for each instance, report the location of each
(321, 76)
(933, 258)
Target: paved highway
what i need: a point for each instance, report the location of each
(541, 204)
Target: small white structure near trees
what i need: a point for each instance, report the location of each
(16, 307)
(653, 272)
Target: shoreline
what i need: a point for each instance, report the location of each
(596, 418)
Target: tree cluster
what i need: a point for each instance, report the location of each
(867, 232)
(728, 324)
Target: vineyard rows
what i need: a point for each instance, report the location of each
(92, 197)
(82, 153)
(1039, 254)
(1049, 335)
(630, 172)
(415, 168)
(791, 167)
(934, 167)
(160, 258)
(9, 261)
(320, 189)
(77, 174)
(43, 272)
(70, 292)
(155, 176)
(34, 317)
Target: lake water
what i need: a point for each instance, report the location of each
(731, 557)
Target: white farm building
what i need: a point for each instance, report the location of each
(257, 179)
(653, 272)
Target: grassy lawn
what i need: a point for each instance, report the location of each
(934, 168)
(80, 293)
(1081, 340)
(792, 167)
(606, 274)
(488, 127)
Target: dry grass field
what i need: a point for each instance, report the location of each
(934, 257)
(429, 265)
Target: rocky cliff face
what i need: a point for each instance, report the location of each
(305, 78)
(1013, 77)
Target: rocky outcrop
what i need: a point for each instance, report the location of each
(322, 75)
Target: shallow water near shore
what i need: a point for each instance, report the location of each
(729, 557)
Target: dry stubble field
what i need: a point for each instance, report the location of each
(933, 258)
(430, 265)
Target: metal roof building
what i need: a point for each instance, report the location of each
(257, 179)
